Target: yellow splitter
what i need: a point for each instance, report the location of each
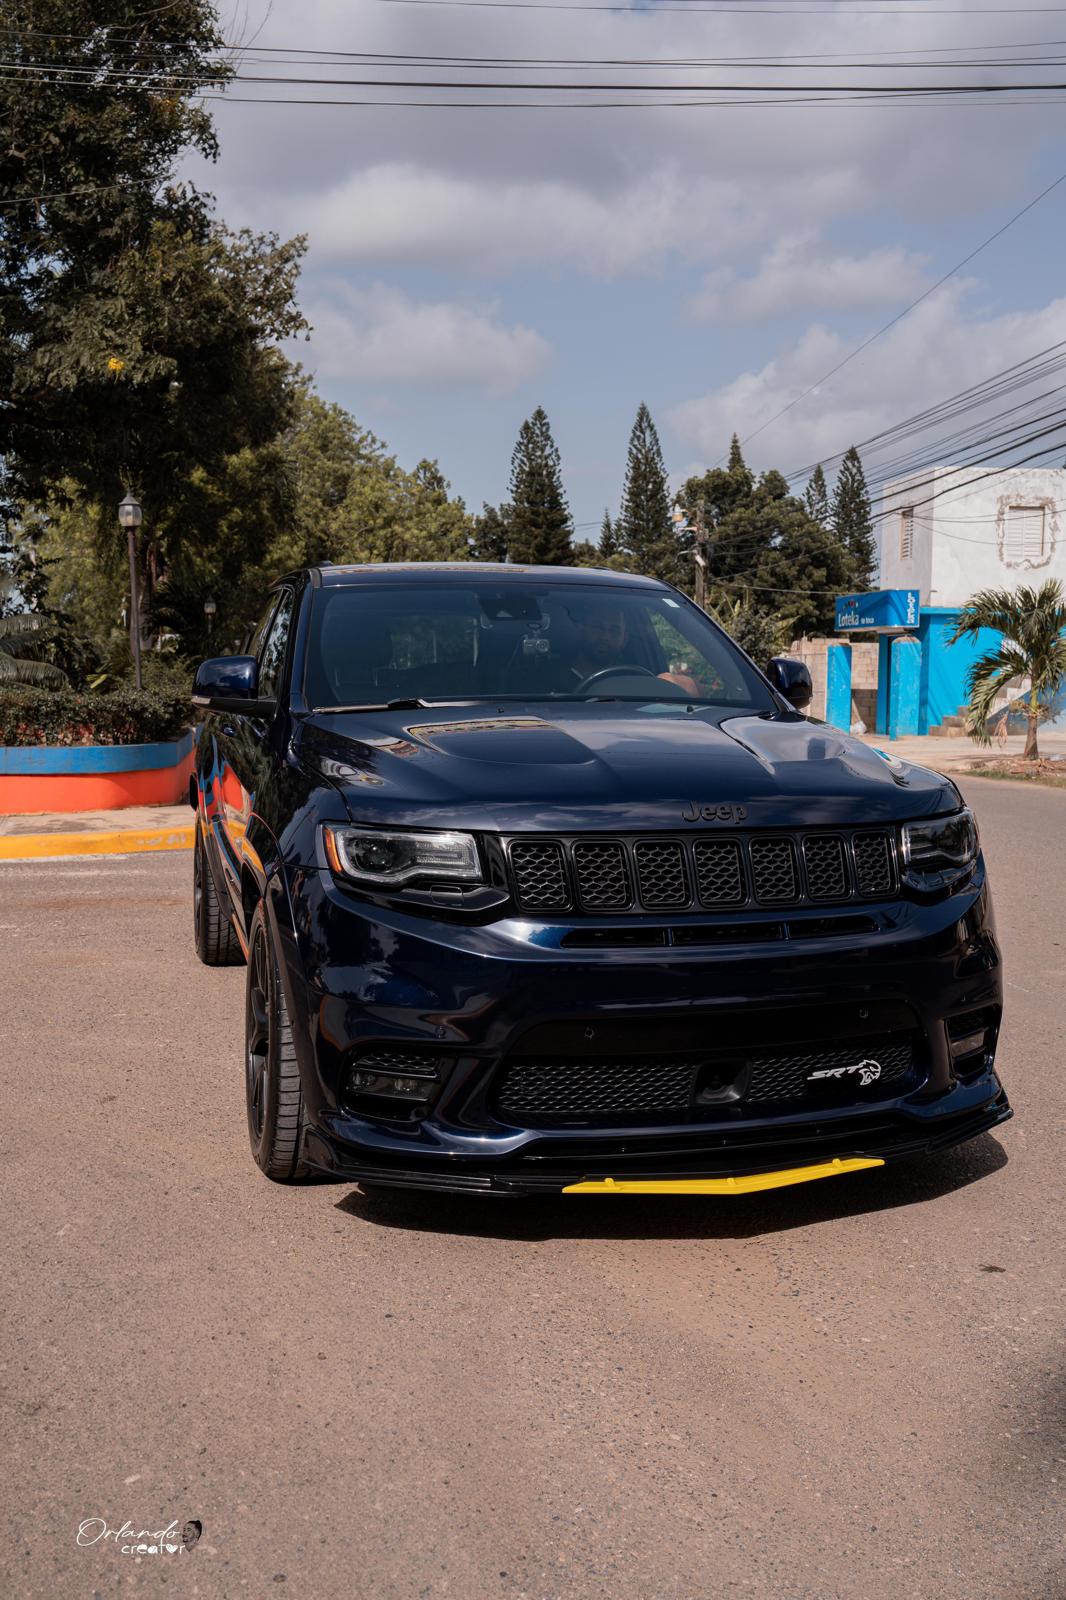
(751, 1184)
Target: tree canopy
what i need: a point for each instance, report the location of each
(765, 548)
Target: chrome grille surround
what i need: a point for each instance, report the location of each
(655, 873)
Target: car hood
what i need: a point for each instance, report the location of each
(597, 766)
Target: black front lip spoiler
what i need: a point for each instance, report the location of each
(905, 1140)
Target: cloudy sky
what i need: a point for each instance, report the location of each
(467, 265)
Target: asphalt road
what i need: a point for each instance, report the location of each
(850, 1389)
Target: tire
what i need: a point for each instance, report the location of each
(216, 942)
(272, 1078)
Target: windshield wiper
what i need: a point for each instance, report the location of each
(410, 703)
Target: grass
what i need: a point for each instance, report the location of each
(1051, 774)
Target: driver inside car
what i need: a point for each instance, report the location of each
(602, 636)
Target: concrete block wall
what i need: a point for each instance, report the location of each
(863, 675)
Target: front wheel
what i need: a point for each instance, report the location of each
(272, 1077)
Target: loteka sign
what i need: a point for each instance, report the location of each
(884, 611)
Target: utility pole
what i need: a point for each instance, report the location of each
(699, 554)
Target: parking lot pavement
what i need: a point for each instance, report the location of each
(832, 1392)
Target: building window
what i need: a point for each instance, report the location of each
(906, 533)
(1023, 536)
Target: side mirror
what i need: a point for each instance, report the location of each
(227, 683)
(792, 680)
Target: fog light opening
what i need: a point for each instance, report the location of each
(969, 1044)
(386, 1086)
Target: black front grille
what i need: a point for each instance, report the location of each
(602, 875)
(873, 863)
(701, 871)
(826, 865)
(773, 865)
(661, 873)
(534, 1089)
(719, 872)
(540, 877)
(777, 1076)
(693, 1085)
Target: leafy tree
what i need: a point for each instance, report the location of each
(645, 532)
(759, 630)
(816, 498)
(325, 489)
(540, 524)
(608, 545)
(1033, 625)
(851, 521)
(138, 337)
(19, 637)
(721, 501)
(766, 549)
(491, 533)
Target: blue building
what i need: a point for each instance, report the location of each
(944, 534)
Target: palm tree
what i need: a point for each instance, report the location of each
(1033, 646)
(18, 636)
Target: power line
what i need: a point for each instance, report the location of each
(866, 343)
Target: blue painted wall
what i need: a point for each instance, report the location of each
(905, 686)
(48, 760)
(838, 686)
(945, 667)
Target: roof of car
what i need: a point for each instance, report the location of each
(457, 571)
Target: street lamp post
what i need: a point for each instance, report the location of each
(209, 612)
(130, 517)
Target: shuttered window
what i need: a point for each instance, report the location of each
(906, 533)
(1023, 535)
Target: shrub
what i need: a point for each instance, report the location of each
(30, 716)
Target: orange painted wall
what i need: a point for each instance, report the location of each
(164, 786)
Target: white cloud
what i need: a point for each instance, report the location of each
(942, 347)
(382, 335)
(402, 213)
(606, 191)
(800, 273)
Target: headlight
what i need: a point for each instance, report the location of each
(392, 859)
(937, 852)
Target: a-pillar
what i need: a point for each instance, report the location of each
(904, 686)
(838, 685)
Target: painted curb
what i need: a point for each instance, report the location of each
(120, 841)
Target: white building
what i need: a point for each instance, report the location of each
(949, 531)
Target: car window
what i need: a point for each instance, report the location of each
(272, 656)
(254, 640)
(370, 643)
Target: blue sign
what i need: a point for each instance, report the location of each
(884, 611)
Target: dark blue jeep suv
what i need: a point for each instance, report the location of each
(543, 886)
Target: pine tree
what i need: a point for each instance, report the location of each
(540, 525)
(608, 545)
(851, 521)
(816, 498)
(645, 531)
(736, 457)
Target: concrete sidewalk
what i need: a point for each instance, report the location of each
(91, 833)
(954, 755)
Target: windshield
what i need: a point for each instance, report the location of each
(370, 644)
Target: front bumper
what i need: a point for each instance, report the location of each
(358, 975)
